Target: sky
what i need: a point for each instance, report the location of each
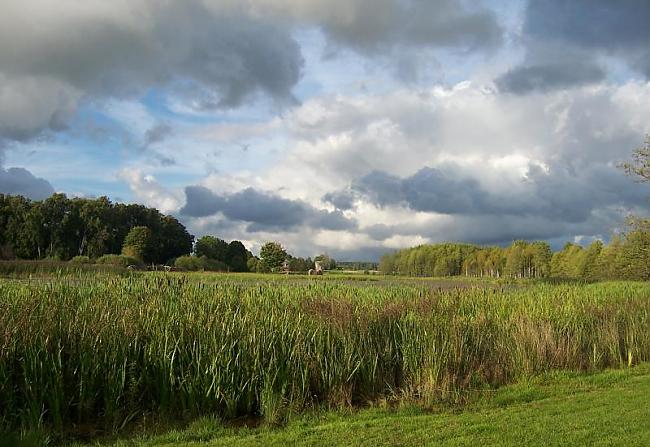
(354, 127)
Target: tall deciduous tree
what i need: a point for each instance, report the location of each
(272, 255)
(212, 248)
(138, 244)
(237, 256)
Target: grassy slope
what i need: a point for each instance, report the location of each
(609, 408)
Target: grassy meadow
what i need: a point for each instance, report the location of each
(84, 355)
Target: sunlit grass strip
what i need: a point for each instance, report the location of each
(100, 350)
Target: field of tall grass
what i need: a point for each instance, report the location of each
(104, 351)
(25, 269)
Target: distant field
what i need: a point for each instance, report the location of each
(90, 354)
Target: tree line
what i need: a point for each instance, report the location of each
(627, 256)
(274, 257)
(62, 228)
(98, 230)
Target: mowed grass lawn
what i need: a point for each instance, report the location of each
(603, 409)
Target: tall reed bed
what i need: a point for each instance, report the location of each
(105, 351)
(23, 269)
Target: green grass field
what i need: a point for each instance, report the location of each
(603, 409)
(87, 356)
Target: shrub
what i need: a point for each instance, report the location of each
(215, 266)
(190, 263)
(117, 260)
(80, 260)
(138, 244)
(196, 263)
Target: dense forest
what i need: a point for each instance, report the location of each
(62, 228)
(627, 256)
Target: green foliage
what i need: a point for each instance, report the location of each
(626, 257)
(231, 256)
(300, 264)
(639, 167)
(356, 265)
(388, 263)
(252, 264)
(552, 410)
(272, 255)
(81, 260)
(47, 269)
(190, 263)
(62, 228)
(633, 260)
(237, 257)
(213, 265)
(211, 247)
(102, 351)
(199, 263)
(448, 259)
(117, 260)
(138, 244)
(588, 267)
(326, 261)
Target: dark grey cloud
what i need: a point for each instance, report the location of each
(209, 54)
(371, 25)
(429, 189)
(263, 211)
(550, 76)
(19, 181)
(613, 25)
(565, 39)
(443, 191)
(405, 35)
(31, 105)
(559, 194)
(214, 55)
(447, 190)
(380, 187)
(164, 160)
(502, 230)
(342, 200)
(157, 134)
(488, 230)
(380, 232)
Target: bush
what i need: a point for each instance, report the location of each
(138, 244)
(117, 260)
(196, 263)
(190, 263)
(80, 260)
(215, 266)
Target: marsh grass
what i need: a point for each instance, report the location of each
(25, 269)
(103, 352)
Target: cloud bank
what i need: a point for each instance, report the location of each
(262, 211)
(54, 55)
(567, 41)
(463, 163)
(19, 181)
